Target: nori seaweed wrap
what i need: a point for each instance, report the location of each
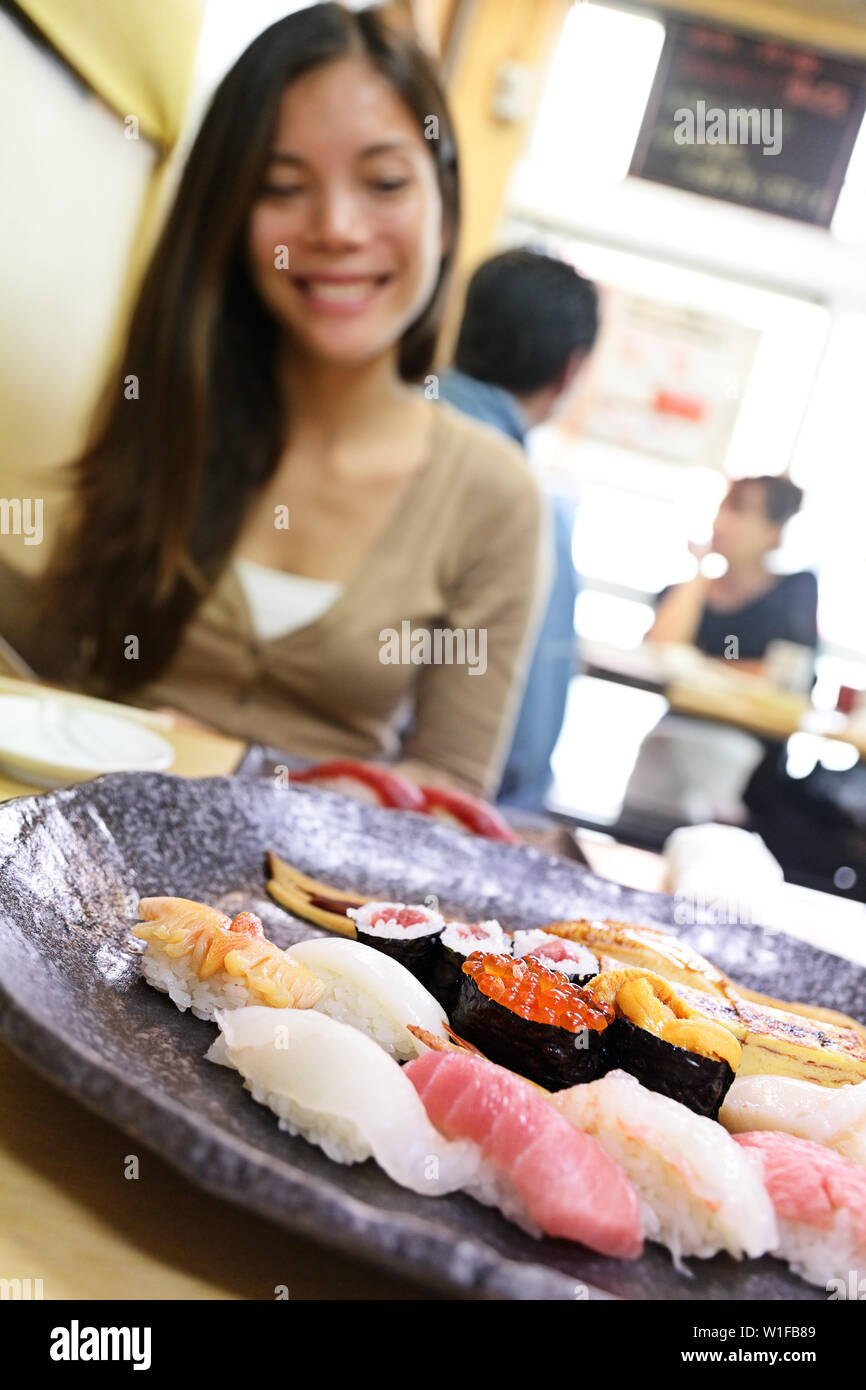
(458, 941)
(409, 934)
(532, 1020)
(665, 1043)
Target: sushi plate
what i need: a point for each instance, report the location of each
(73, 864)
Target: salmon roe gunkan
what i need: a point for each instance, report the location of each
(538, 994)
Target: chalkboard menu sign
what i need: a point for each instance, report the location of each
(751, 120)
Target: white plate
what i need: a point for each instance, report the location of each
(48, 740)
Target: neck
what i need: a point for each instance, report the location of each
(336, 402)
(746, 573)
(537, 406)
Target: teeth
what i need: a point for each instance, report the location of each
(344, 293)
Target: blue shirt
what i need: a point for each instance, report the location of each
(527, 774)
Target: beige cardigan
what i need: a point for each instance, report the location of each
(466, 549)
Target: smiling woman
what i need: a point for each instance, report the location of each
(263, 416)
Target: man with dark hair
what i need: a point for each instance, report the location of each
(529, 322)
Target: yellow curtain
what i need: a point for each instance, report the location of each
(137, 55)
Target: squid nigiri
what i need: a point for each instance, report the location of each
(204, 960)
(699, 1193)
(338, 1089)
(536, 1168)
(832, 1116)
(371, 991)
(820, 1202)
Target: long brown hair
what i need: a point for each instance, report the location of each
(163, 485)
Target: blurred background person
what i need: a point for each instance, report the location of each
(691, 769)
(748, 602)
(279, 496)
(529, 323)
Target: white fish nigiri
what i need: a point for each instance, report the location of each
(340, 1090)
(372, 992)
(834, 1116)
(697, 1194)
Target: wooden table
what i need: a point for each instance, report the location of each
(717, 691)
(69, 1217)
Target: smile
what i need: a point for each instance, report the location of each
(339, 294)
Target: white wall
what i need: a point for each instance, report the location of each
(72, 189)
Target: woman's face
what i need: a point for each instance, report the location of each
(346, 237)
(743, 532)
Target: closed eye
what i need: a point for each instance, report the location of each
(282, 190)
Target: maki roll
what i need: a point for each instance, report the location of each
(408, 934)
(665, 1042)
(458, 941)
(532, 1020)
(558, 953)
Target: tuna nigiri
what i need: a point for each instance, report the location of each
(540, 1171)
(699, 1192)
(204, 960)
(338, 1089)
(834, 1116)
(820, 1202)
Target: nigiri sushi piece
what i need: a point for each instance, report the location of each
(699, 1192)
(820, 1201)
(832, 1116)
(338, 1089)
(204, 960)
(371, 991)
(539, 1171)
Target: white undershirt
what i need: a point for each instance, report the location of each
(281, 603)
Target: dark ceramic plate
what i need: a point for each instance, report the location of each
(73, 864)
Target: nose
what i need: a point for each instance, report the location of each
(337, 220)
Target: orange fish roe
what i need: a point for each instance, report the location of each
(538, 994)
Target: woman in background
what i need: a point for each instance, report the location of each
(748, 602)
(277, 500)
(691, 770)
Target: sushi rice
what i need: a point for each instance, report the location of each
(180, 981)
(383, 919)
(557, 952)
